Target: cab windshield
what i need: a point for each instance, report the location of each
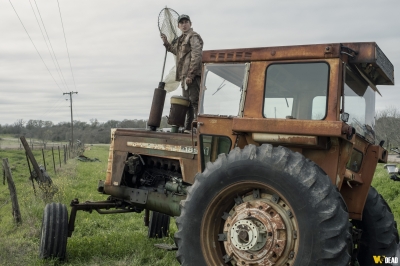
(359, 103)
(222, 89)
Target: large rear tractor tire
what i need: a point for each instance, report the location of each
(379, 230)
(263, 206)
(158, 225)
(54, 233)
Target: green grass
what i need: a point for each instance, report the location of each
(116, 239)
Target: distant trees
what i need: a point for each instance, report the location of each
(387, 127)
(93, 132)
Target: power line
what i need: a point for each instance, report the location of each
(65, 38)
(48, 48)
(53, 106)
(50, 43)
(34, 45)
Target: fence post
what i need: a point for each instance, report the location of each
(59, 155)
(54, 163)
(65, 154)
(31, 158)
(30, 173)
(44, 160)
(13, 192)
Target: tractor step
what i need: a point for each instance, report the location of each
(167, 247)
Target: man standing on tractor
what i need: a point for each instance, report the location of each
(188, 49)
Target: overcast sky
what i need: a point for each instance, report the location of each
(117, 55)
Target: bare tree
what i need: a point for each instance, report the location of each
(387, 126)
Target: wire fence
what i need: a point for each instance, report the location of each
(13, 143)
(56, 156)
(38, 163)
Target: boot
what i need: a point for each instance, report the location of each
(189, 117)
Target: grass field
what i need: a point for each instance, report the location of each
(118, 239)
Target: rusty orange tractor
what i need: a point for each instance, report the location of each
(278, 172)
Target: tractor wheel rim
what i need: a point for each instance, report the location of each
(260, 229)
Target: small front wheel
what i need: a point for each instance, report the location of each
(54, 233)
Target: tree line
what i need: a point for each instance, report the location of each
(387, 128)
(92, 132)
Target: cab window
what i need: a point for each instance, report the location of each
(296, 90)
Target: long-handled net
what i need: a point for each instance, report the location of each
(168, 25)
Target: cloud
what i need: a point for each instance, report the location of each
(117, 55)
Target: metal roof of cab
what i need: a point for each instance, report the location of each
(366, 56)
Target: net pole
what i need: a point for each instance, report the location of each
(163, 68)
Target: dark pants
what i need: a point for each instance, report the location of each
(192, 92)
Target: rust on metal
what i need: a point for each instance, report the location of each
(352, 178)
(285, 139)
(355, 193)
(267, 220)
(177, 147)
(366, 55)
(326, 159)
(372, 62)
(271, 53)
(348, 130)
(289, 126)
(258, 230)
(162, 147)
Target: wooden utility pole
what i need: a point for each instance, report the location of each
(72, 119)
(13, 192)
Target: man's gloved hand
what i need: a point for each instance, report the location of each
(164, 38)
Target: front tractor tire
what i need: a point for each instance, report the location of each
(263, 206)
(54, 233)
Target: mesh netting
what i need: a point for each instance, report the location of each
(168, 24)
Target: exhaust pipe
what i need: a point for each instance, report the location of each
(157, 107)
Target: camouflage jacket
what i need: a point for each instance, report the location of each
(188, 50)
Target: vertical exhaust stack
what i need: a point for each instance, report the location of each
(157, 107)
